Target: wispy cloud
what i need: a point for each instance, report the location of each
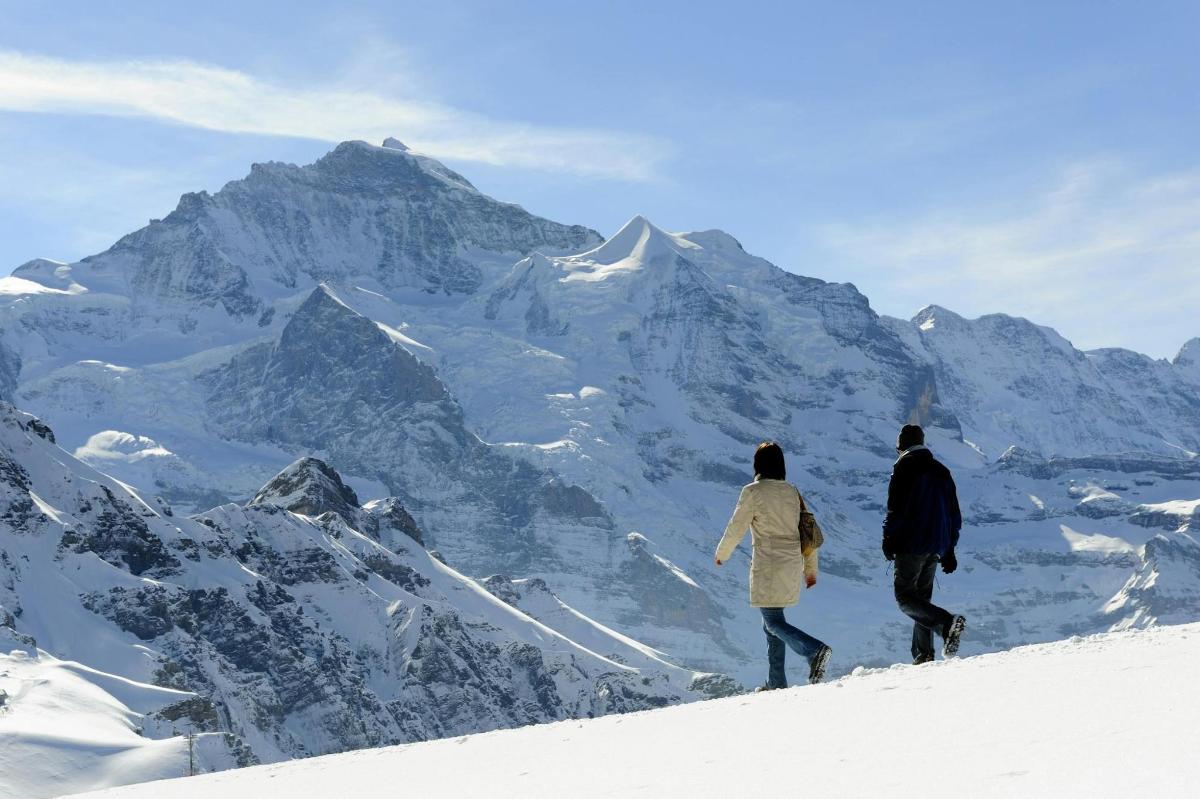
(220, 99)
(1104, 253)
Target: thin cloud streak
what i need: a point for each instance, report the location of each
(1105, 253)
(220, 99)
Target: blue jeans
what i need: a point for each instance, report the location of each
(780, 633)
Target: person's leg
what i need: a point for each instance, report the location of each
(922, 643)
(801, 642)
(776, 654)
(914, 589)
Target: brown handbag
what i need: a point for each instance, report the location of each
(811, 537)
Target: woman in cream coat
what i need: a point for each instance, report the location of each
(770, 507)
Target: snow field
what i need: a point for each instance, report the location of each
(66, 727)
(1109, 715)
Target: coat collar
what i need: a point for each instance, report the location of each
(912, 450)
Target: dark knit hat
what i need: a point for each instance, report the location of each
(910, 436)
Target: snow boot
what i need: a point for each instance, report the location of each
(816, 670)
(953, 636)
(922, 659)
(762, 688)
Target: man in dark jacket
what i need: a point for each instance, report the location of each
(921, 528)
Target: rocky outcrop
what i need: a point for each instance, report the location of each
(335, 383)
(311, 487)
(296, 631)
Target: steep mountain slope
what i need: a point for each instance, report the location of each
(383, 212)
(1169, 393)
(1059, 716)
(585, 420)
(389, 418)
(1039, 392)
(300, 630)
(214, 270)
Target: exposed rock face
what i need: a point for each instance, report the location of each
(666, 592)
(336, 383)
(10, 371)
(295, 632)
(1162, 591)
(1179, 517)
(1189, 357)
(392, 519)
(311, 487)
(324, 382)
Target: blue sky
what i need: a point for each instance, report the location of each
(1037, 159)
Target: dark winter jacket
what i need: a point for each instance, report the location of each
(923, 517)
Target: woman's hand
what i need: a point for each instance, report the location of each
(810, 580)
(717, 561)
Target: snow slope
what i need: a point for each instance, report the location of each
(1110, 715)
(67, 727)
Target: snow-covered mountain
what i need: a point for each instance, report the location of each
(404, 220)
(299, 623)
(567, 420)
(1011, 382)
(1106, 716)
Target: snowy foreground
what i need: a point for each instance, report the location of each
(64, 726)
(1109, 715)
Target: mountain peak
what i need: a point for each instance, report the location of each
(640, 240)
(308, 486)
(933, 316)
(717, 241)
(1189, 354)
(47, 272)
(359, 165)
(323, 294)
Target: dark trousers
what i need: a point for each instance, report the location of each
(914, 589)
(781, 635)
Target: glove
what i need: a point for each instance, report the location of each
(889, 549)
(949, 562)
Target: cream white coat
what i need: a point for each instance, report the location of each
(771, 510)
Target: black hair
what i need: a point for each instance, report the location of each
(910, 436)
(768, 462)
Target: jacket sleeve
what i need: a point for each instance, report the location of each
(735, 531)
(955, 511)
(810, 563)
(897, 504)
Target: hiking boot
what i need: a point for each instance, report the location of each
(762, 688)
(921, 659)
(953, 636)
(816, 670)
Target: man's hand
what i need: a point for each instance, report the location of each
(810, 580)
(717, 561)
(889, 549)
(949, 562)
